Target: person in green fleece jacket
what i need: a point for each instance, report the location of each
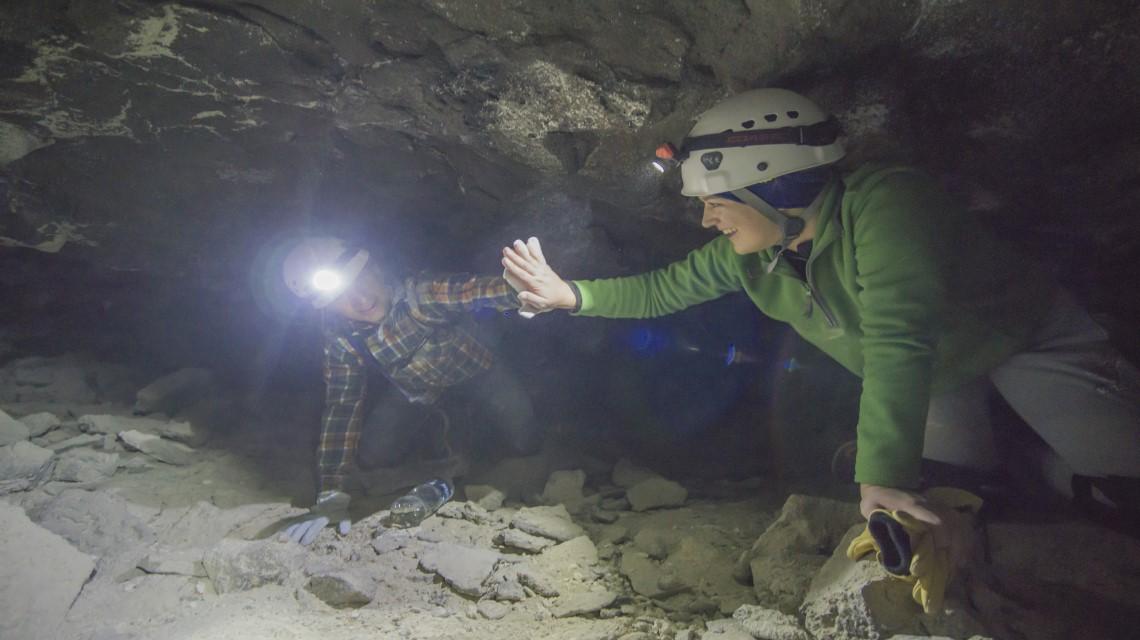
(881, 270)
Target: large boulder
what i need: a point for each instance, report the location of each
(784, 559)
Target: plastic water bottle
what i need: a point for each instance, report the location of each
(419, 503)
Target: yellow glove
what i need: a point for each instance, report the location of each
(904, 546)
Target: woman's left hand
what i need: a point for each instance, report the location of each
(951, 530)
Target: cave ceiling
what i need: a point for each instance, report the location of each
(176, 138)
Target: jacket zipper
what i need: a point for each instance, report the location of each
(814, 297)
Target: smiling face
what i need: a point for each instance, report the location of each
(746, 228)
(366, 300)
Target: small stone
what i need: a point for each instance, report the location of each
(615, 504)
(492, 610)
(343, 589)
(522, 541)
(582, 603)
(656, 493)
(614, 535)
(539, 583)
(238, 565)
(157, 448)
(565, 488)
(485, 496)
(548, 522)
(605, 517)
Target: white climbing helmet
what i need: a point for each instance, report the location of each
(320, 269)
(756, 136)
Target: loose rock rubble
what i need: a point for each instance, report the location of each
(87, 527)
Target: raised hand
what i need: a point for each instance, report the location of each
(540, 288)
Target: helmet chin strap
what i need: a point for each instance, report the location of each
(790, 226)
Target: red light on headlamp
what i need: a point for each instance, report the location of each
(666, 151)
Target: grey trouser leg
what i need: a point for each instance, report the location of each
(390, 429)
(1072, 387)
(504, 406)
(959, 430)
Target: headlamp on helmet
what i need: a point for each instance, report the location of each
(319, 270)
(327, 281)
(666, 157)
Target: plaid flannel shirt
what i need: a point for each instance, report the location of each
(420, 346)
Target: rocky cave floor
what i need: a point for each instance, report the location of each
(116, 525)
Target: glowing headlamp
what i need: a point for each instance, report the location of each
(327, 280)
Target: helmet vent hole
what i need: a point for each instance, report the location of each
(771, 117)
(763, 166)
(748, 124)
(793, 114)
(712, 160)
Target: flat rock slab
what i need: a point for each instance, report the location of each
(40, 577)
(97, 522)
(522, 541)
(548, 522)
(22, 466)
(85, 465)
(464, 568)
(170, 429)
(566, 559)
(579, 604)
(12, 430)
(655, 493)
(158, 448)
(77, 442)
(40, 423)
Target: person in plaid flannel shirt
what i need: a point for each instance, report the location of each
(412, 333)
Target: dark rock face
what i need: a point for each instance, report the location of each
(173, 141)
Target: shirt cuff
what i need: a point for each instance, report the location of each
(577, 296)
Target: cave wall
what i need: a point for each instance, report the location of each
(151, 151)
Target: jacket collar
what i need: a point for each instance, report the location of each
(828, 227)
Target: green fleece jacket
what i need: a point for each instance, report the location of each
(904, 288)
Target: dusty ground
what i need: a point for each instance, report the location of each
(102, 542)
